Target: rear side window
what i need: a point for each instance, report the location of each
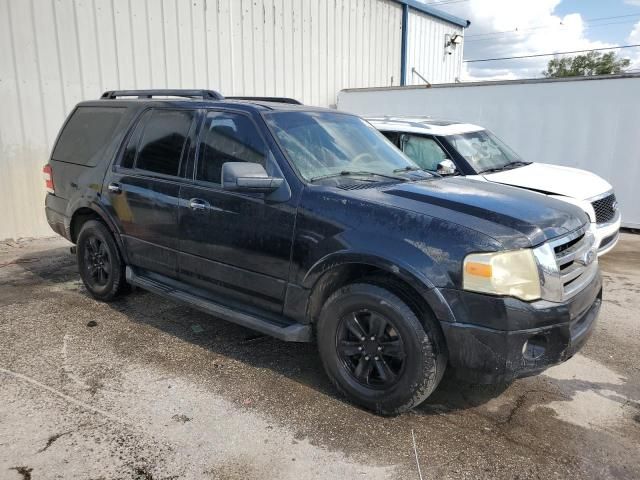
(163, 141)
(87, 134)
(227, 137)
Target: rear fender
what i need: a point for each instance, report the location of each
(102, 213)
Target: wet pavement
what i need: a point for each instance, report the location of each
(146, 388)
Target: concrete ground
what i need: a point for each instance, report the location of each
(145, 388)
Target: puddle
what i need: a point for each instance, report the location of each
(595, 399)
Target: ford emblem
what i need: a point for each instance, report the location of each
(588, 258)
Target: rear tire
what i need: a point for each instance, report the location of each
(99, 262)
(376, 351)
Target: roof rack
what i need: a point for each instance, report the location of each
(292, 101)
(204, 94)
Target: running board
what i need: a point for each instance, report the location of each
(295, 332)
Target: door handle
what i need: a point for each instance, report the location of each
(198, 205)
(115, 188)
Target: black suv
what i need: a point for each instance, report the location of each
(306, 223)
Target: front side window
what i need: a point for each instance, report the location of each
(424, 151)
(163, 140)
(391, 136)
(324, 144)
(227, 137)
(484, 151)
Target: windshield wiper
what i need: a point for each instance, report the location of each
(348, 172)
(505, 166)
(408, 168)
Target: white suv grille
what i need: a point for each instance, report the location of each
(605, 208)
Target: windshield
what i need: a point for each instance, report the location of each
(324, 144)
(484, 151)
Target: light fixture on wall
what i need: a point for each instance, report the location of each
(451, 41)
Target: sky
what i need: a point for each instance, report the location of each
(504, 28)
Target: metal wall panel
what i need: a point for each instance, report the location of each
(55, 53)
(589, 123)
(426, 50)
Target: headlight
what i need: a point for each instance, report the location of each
(513, 273)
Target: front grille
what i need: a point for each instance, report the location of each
(605, 208)
(576, 259)
(566, 246)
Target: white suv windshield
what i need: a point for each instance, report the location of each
(484, 151)
(324, 144)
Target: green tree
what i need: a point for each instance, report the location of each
(593, 63)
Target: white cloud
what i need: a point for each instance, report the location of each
(634, 39)
(634, 36)
(539, 30)
(635, 3)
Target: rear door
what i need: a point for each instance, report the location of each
(143, 188)
(235, 244)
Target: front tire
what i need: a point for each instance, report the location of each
(101, 267)
(376, 351)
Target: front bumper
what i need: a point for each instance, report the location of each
(607, 234)
(499, 339)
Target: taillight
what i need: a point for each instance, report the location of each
(47, 173)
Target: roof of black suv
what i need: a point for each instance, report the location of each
(198, 99)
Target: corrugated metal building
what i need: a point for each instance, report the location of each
(432, 52)
(56, 53)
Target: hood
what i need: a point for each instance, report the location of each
(553, 179)
(515, 217)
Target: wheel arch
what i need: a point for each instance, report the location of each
(84, 213)
(333, 272)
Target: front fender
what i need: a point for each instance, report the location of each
(410, 259)
(419, 278)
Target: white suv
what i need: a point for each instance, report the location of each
(452, 148)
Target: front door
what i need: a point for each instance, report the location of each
(143, 189)
(425, 151)
(233, 244)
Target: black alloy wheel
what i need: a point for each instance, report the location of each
(377, 350)
(97, 262)
(370, 348)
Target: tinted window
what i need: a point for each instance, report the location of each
(392, 136)
(129, 156)
(163, 140)
(87, 134)
(227, 137)
(424, 151)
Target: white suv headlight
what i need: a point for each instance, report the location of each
(513, 273)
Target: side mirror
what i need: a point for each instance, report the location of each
(248, 177)
(447, 167)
